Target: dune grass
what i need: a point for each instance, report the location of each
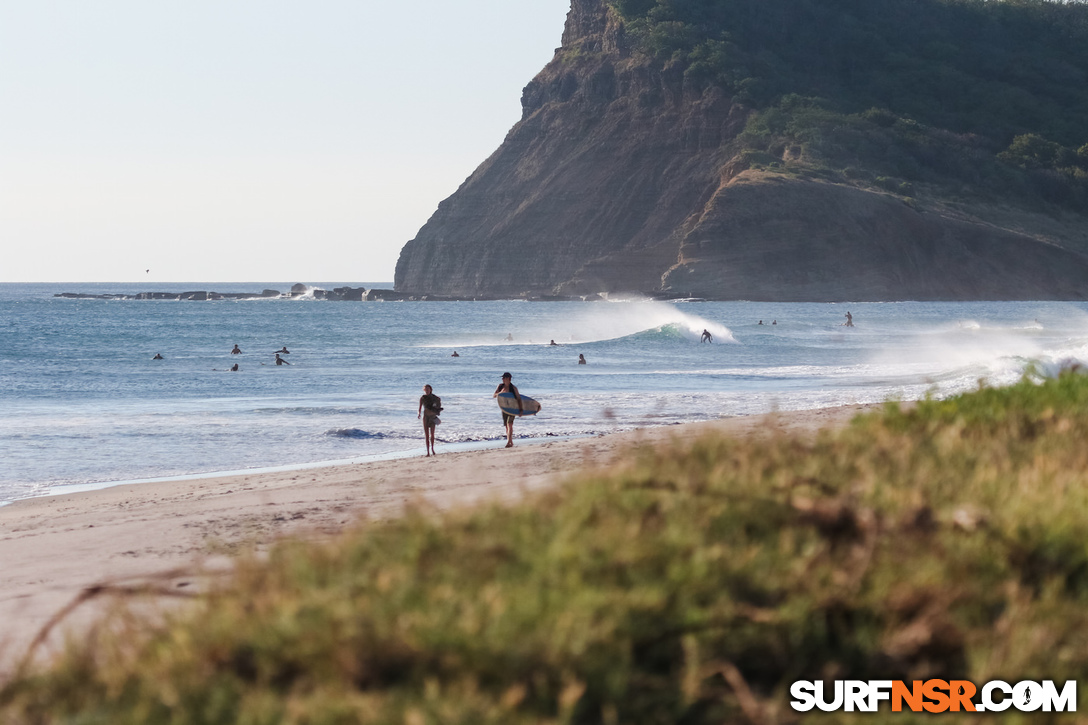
(692, 584)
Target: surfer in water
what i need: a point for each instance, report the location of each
(283, 351)
(507, 386)
(455, 354)
(158, 356)
(430, 405)
(237, 350)
(280, 360)
(581, 359)
(707, 337)
(849, 320)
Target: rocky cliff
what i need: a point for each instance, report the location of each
(622, 177)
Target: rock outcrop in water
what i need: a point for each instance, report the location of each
(338, 294)
(622, 177)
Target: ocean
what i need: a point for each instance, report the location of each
(84, 403)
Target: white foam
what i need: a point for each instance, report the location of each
(593, 322)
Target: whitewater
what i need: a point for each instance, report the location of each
(84, 402)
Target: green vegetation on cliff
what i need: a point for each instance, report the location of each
(691, 585)
(990, 95)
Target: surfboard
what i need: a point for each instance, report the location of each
(509, 404)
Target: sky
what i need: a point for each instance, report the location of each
(246, 140)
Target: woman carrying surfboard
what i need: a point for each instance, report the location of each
(507, 386)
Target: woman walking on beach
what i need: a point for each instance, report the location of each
(507, 386)
(430, 405)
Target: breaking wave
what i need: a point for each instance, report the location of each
(598, 322)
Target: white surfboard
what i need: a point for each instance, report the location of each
(509, 404)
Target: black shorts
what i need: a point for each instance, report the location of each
(508, 418)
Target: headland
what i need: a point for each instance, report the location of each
(770, 150)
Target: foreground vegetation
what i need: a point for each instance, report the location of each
(988, 95)
(691, 585)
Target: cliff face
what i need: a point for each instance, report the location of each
(620, 177)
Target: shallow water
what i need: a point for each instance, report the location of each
(84, 402)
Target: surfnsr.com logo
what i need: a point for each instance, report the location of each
(933, 696)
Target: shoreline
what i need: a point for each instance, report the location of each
(64, 489)
(58, 546)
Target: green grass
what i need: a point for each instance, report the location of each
(988, 95)
(691, 585)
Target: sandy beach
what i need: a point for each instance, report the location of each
(54, 549)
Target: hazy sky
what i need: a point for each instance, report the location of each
(246, 140)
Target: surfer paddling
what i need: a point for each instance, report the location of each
(507, 386)
(430, 405)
